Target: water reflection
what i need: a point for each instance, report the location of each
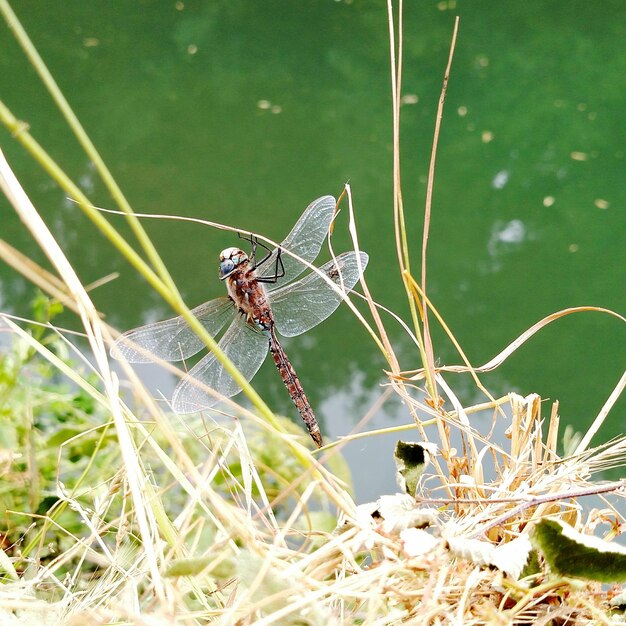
(242, 113)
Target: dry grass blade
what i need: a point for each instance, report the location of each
(497, 360)
(428, 346)
(593, 429)
(92, 325)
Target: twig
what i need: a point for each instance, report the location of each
(550, 497)
(428, 347)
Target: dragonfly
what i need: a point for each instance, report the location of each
(265, 298)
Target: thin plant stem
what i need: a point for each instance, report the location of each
(549, 497)
(430, 359)
(402, 247)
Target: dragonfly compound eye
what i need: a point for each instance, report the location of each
(230, 259)
(226, 267)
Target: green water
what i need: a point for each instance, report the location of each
(243, 112)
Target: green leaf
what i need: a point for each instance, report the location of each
(45, 309)
(411, 459)
(196, 565)
(533, 566)
(571, 439)
(6, 565)
(62, 435)
(188, 567)
(571, 553)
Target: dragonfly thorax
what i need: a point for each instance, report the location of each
(230, 260)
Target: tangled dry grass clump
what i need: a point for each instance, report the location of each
(239, 531)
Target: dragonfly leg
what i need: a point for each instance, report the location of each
(279, 268)
(254, 242)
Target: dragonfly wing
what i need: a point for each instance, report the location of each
(245, 346)
(305, 240)
(310, 300)
(173, 339)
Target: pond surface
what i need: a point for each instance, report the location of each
(243, 112)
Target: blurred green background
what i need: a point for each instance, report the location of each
(243, 112)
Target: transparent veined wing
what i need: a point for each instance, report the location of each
(173, 339)
(245, 346)
(305, 240)
(305, 303)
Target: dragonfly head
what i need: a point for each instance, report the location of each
(230, 260)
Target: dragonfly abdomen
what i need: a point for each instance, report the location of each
(292, 382)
